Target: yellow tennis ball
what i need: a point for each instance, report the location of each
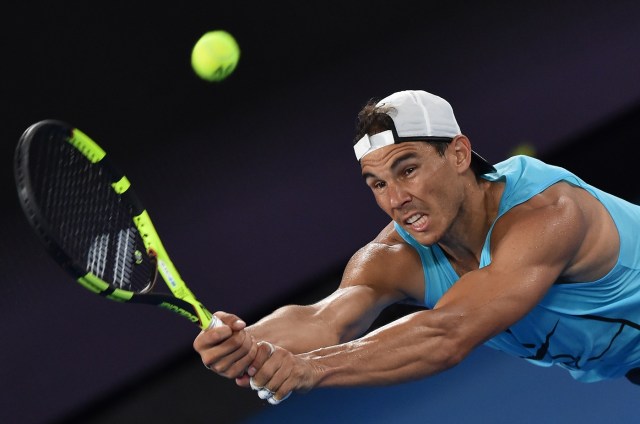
(215, 55)
(524, 149)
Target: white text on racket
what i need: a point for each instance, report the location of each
(165, 271)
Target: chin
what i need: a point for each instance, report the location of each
(424, 238)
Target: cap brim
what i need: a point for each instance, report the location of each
(482, 166)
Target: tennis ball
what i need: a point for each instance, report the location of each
(215, 55)
(524, 149)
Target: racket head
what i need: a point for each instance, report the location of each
(80, 206)
(90, 220)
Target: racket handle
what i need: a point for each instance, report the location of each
(215, 322)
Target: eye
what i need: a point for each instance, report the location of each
(409, 170)
(378, 185)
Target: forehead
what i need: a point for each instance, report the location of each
(388, 156)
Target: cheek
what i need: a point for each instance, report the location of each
(384, 204)
(448, 205)
(439, 202)
(382, 201)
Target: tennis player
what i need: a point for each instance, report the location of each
(523, 257)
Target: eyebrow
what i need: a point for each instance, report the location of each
(395, 165)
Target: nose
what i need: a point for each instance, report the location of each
(398, 196)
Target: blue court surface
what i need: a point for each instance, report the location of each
(488, 387)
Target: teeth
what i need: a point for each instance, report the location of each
(414, 218)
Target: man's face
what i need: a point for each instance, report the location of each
(419, 189)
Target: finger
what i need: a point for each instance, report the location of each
(215, 322)
(271, 347)
(232, 358)
(244, 380)
(231, 320)
(278, 385)
(218, 342)
(231, 367)
(270, 394)
(211, 338)
(273, 401)
(253, 384)
(264, 352)
(265, 394)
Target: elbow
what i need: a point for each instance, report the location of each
(447, 340)
(456, 344)
(453, 351)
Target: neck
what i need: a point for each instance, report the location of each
(464, 241)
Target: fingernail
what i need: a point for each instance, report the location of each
(251, 371)
(265, 394)
(274, 401)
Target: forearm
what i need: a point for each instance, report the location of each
(407, 349)
(421, 344)
(295, 328)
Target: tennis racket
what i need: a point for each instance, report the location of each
(93, 224)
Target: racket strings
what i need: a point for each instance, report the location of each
(94, 225)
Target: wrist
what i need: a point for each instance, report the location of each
(319, 371)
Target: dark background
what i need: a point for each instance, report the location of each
(254, 188)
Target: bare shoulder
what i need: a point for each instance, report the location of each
(557, 203)
(571, 223)
(387, 263)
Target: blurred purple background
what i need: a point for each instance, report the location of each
(252, 182)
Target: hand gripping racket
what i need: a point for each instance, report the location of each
(93, 224)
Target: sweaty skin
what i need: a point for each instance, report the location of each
(561, 233)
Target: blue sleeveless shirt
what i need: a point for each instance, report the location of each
(590, 328)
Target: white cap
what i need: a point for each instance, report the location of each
(417, 116)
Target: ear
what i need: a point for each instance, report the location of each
(462, 150)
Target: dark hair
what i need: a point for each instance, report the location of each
(373, 120)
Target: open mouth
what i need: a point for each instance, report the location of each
(413, 218)
(417, 221)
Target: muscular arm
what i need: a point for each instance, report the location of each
(341, 316)
(532, 247)
(347, 313)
